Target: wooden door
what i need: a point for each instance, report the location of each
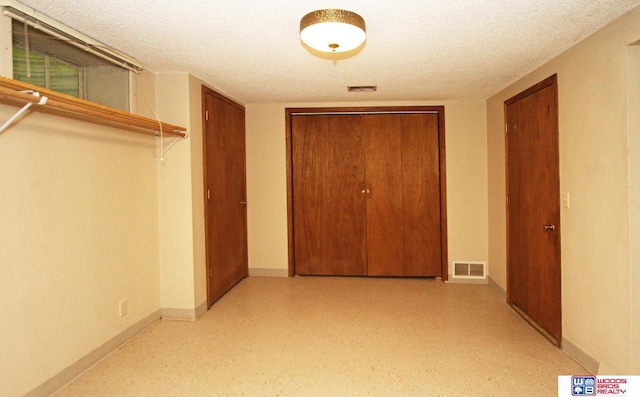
(366, 194)
(403, 206)
(534, 207)
(225, 190)
(328, 185)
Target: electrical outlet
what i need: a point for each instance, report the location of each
(123, 307)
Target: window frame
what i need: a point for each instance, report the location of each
(11, 10)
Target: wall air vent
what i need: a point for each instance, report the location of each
(362, 88)
(470, 270)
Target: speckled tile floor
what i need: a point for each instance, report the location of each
(315, 336)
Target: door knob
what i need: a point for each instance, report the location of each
(365, 191)
(243, 202)
(549, 228)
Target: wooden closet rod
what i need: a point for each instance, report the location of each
(24, 92)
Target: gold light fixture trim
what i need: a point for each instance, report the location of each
(333, 30)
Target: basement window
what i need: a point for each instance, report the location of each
(46, 61)
(48, 54)
(48, 71)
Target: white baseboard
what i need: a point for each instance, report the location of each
(82, 365)
(184, 314)
(265, 272)
(457, 280)
(496, 287)
(589, 363)
(571, 350)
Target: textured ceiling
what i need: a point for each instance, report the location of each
(415, 49)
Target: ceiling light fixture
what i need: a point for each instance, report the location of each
(332, 30)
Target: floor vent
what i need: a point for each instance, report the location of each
(470, 270)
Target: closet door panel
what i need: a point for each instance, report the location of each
(329, 206)
(403, 208)
(421, 195)
(385, 229)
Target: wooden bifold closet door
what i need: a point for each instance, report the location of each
(367, 194)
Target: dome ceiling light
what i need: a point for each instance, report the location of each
(332, 30)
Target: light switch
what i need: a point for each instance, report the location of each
(565, 200)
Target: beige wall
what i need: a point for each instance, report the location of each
(181, 197)
(633, 63)
(466, 168)
(174, 181)
(79, 233)
(594, 170)
(197, 192)
(91, 219)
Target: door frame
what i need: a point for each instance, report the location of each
(551, 81)
(439, 110)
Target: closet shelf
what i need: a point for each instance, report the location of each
(18, 91)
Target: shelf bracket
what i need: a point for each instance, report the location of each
(159, 156)
(12, 119)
